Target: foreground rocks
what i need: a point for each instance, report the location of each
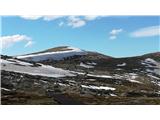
(20, 88)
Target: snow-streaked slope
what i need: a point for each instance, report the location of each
(28, 68)
(149, 60)
(120, 65)
(98, 87)
(131, 77)
(14, 61)
(152, 66)
(85, 65)
(56, 55)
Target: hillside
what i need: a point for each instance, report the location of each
(68, 75)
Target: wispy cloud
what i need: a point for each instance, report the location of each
(61, 24)
(44, 17)
(29, 43)
(146, 32)
(49, 17)
(72, 21)
(112, 37)
(8, 41)
(79, 21)
(91, 17)
(113, 33)
(75, 21)
(30, 17)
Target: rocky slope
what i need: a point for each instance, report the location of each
(67, 75)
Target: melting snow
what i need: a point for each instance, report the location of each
(61, 84)
(149, 70)
(133, 75)
(156, 82)
(91, 75)
(158, 92)
(5, 89)
(119, 69)
(157, 71)
(149, 60)
(128, 76)
(91, 63)
(43, 70)
(100, 76)
(91, 79)
(19, 62)
(58, 55)
(153, 76)
(85, 66)
(99, 88)
(135, 81)
(113, 95)
(120, 65)
(152, 66)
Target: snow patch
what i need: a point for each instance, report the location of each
(91, 63)
(149, 60)
(119, 69)
(43, 70)
(153, 76)
(98, 88)
(158, 92)
(152, 66)
(100, 76)
(135, 81)
(113, 95)
(85, 65)
(5, 89)
(14, 61)
(58, 55)
(133, 75)
(61, 84)
(121, 65)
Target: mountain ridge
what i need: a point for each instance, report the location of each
(89, 78)
(63, 48)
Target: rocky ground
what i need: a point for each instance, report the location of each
(26, 89)
(93, 79)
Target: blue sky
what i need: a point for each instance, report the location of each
(117, 36)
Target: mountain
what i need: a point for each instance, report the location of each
(58, 53)
(68, 75)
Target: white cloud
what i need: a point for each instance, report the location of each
(30, 17)
(29, 43)
(8, 41)
(147, 32)
(90, 17)
(114, 33)
(79, 21)
(50, 17)
(73, 21)
(112, 37)
(61, 24)
(44, 17)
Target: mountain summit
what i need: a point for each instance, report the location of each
(57, 53)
